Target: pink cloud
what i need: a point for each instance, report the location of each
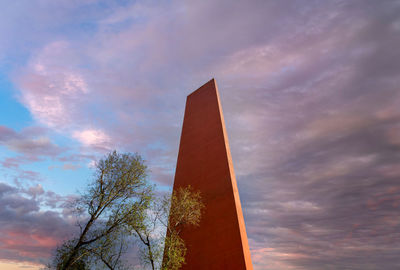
(92, 137)
(50, 90)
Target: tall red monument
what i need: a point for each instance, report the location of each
(205, 163)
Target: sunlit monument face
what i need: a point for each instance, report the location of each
(204, 162)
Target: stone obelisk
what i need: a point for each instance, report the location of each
(205, 163)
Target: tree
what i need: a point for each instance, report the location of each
(119, 205)
(165, 249)
(109, 251)
(119, 194)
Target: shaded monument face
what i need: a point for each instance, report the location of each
(204, 162)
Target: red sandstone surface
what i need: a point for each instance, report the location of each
(204, 162)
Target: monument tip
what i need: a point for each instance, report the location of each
(211, 83)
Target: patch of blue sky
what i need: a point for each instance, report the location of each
(157, 145)
(6, 174)
(90, 14)
(289, 68)
(99, 116)
(125, 3)
(63, 178)
(63, 140)
(13, 113)
(68, 181)
(164, 189)
(124, 24)
(76, 31)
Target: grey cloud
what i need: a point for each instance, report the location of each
(314, 186)
(28, 233)
(35, 191)
(31, 142)
(6, 133)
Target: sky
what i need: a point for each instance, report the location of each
(310, 94)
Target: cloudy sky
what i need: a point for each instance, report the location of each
(311, 98)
